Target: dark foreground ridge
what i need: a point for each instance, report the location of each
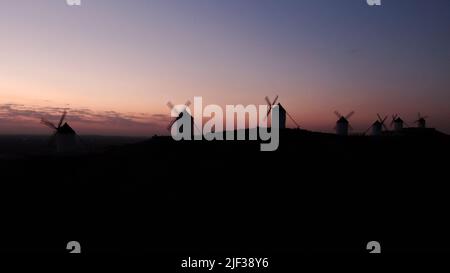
(316, 193)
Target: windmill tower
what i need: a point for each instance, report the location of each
(397, 122)
(378, 126)
(282, 112)
(181, 114)
(64, 138)
(342, 124)
(421, 121)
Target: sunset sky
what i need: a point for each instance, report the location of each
(116, 63)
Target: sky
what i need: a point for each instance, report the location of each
(115, 64)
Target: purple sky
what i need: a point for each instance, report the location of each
(116, 63)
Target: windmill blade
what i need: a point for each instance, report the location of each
(48, 124)
(296, 124)
(171, 124)
(180, 115)
(394, 117)
(176, 119)
(383, 123)
(269, 105)
(350, 127)
(62, 118)
(349, 115)
(379, 117)
(186, 105)
(170, 105)
(338, 114)
(268, 112)
(275, 100)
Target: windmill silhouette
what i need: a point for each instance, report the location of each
(342, 124)
(378, 126)
(282, 112)
(397, 122)
(64, 138)
(184, 112)
(421, 121)
(179, 113)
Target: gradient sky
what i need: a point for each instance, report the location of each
(116, 63)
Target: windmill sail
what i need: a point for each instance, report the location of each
(64, 139)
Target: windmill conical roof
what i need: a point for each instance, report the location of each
(281, 107)
(342, 120)
(66, 130)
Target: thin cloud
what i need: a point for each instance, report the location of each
(84, 117)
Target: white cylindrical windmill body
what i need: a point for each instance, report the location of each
(66, 140)
(342, 127)
(398, 125)
(421, 123)
(281, 116)
(377, 128)
(66, 143)
(186, 117)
